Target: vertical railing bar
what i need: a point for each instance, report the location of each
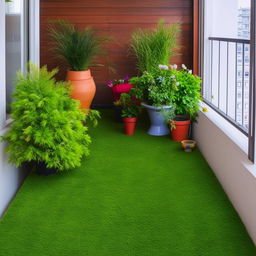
(219, 78)
(236, 87)
(211, 68)
(243, 85)
(227, 78)
(251, 133)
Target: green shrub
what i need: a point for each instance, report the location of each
(48, 124)
(156, 88)
(152, 47)
(130, 106)
(188, 94)
(78, 48)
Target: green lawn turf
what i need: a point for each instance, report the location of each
(136, 196)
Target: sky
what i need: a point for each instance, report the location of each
(244, 3)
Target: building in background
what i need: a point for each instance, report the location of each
(243, 68)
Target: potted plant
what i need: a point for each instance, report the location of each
(78, 48)
(130, 111)
(47, 128)
(186, 101)
(156, 91)
(152, 47)
(119, 86)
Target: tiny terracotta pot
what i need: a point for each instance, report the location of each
(129, 125)
(188, 145)
(181, 130)
(82, 87)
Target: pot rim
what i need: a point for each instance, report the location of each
(130, 119)
(86, 70)
(155, 108)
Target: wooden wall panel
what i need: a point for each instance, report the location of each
(117, 18)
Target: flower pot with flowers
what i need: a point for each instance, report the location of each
(156, 90)
(130, 111)
(186, 101)
(119, 86)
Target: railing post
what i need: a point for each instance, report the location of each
(251, 134)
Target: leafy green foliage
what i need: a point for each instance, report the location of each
(130, 107)
(48, 124)
(156, 88)
(76, 47)
(169, 115)
(93, 116)
(188, 94)
(152, 47)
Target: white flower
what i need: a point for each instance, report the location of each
(174, 66)
(177, 83)
(149, 89)
(190, 72)
(183, 66)
(165, 67)
(173, 76)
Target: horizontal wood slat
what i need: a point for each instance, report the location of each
(117, 18)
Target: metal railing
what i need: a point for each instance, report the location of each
(228, 83)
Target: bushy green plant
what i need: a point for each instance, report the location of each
(130, 107)
(188, 94)
(152, 47)
(78, 48)
(48, 124)
(156, 88)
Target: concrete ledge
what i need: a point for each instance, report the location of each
(231, 166)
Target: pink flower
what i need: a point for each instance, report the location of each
(110, 84)
(126, 78)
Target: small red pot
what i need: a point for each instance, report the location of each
(129, 125)
(181, 130)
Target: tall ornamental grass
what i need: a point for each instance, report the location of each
(78, 48)
(154, 47)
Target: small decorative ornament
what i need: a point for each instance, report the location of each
(188, 145)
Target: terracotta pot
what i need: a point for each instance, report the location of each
(181, 130)
(82, 87)
(188, 145)
(129, 125)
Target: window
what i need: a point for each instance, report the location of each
(16, 36)
(228, 37)
(19, 40)
(226, 58)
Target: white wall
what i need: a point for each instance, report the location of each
(11, 177)
(230, 164)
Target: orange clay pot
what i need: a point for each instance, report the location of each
(181, 130)
(82, 87)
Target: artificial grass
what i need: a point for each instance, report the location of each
(136, 196)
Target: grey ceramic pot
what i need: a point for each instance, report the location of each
(158, 126)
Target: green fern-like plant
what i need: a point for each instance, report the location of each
(78, 48)
(152, 47)
(48, 125)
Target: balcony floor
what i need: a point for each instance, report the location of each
(135, 196)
